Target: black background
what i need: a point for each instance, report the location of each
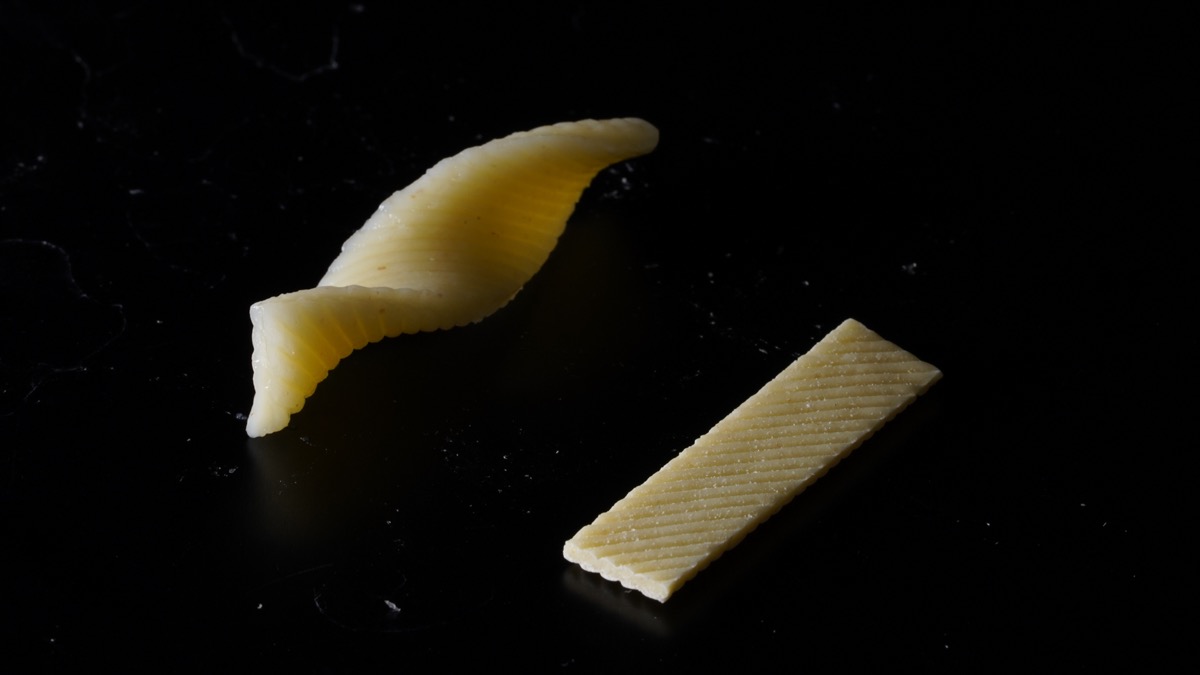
(993, 191)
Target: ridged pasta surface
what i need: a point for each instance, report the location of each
(448, 250)
(764, 453)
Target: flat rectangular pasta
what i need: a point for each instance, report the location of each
(764, 453)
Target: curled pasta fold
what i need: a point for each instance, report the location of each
(448, 250)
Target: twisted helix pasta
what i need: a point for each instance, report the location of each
(448, 250)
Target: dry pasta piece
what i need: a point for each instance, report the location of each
(764, 453)
(448, 250)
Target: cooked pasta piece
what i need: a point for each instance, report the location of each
(448, 250)
(764, 453)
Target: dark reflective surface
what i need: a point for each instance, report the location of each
(986, 191)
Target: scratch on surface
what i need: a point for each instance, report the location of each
(49, 326)
(166, 252)
(330, 65)
(81, 113)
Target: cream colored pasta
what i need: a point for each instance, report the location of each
(764, 453)
(448, 250)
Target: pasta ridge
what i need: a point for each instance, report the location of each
(450, 249)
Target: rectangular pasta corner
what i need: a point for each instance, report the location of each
(752, 463)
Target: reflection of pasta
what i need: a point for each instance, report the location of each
(448, 250)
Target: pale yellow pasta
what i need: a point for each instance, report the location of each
(764, 453)
(448, 250)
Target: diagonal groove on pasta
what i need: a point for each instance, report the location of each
(752, 463)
